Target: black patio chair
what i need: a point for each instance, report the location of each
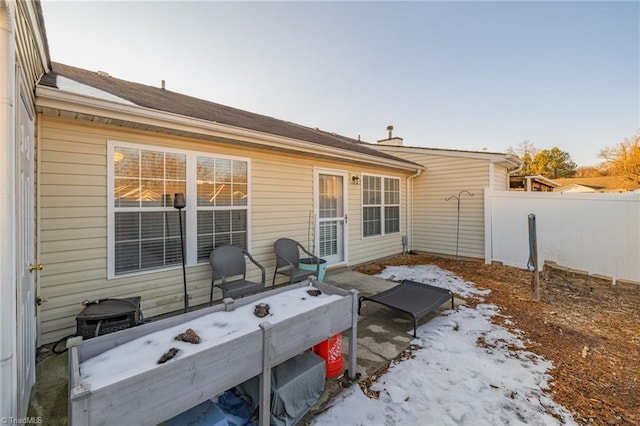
(288, 257)
(229, 266)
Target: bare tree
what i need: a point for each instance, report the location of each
(591, 171)
(525, 151)
(623, 161)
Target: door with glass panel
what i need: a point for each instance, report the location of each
(331, 214)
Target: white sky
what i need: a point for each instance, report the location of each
(459, 75)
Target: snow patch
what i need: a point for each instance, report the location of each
(468, 372)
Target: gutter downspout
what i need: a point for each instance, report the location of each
(409, 234)
(516, 170)
(8, 376)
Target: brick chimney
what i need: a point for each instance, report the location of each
(390, 140)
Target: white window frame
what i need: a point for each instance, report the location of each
(191, 210)
(381, 206)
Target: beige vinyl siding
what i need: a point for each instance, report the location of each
(500, 178)
(434, 220)
(73, 220)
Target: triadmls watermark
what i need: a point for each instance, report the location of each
(20, 420)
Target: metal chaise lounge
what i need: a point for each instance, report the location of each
(414, 298)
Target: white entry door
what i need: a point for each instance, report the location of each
(25, 304)
(332, 216)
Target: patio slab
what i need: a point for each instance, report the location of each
(383, 334)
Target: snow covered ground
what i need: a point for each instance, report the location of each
(453, 380)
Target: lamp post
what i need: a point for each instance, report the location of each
(180, 203)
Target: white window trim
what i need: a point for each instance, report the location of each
(191, 211)
(381, 206)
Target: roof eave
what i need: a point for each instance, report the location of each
(506, 160)
(509, 161)
(48, 97)
(545, 180)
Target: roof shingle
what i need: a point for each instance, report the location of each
(165, 100)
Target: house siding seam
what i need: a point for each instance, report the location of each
(73, 220)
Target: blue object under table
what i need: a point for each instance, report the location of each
(411, 297)
(205, 414)
(296, 385)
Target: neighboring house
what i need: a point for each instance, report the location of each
(24, 57)
(574, 187)
(596, 184)
(112, 154)
(537, 183)
(433, 218)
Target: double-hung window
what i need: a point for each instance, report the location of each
(222, 204)
(144, 228)
(380, 205)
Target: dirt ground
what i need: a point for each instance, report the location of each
(593, 342)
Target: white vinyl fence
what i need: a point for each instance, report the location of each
(597, 233)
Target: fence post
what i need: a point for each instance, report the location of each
(488, 230)
(533, 259)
